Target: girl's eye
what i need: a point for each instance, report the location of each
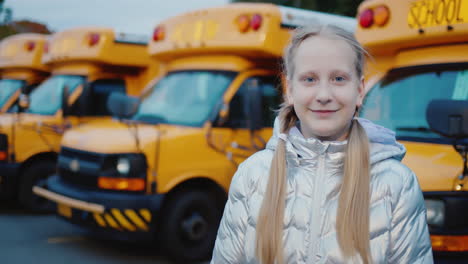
(340, 79)
(309, 79)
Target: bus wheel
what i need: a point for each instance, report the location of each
(35, 174)
(189, 225)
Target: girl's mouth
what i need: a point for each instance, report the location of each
(324, 113)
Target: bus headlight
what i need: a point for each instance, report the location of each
(123, 165)
(124, 172)
(435, 212)
(129, 165)
(3, 147)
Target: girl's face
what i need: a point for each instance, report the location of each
(325, 88)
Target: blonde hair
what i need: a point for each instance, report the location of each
(352, 222)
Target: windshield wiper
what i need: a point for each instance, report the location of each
(415, 129)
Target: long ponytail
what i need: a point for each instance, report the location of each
(352, 221)
(269, 240)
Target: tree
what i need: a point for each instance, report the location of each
(6, 13)
(340, 7)
(9, 27)
(22, 26)
(5, 18)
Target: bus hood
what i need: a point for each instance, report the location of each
(6, 121)
(26, 121)
(110, 136)
(437, 166)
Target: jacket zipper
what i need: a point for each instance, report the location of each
(316, 215)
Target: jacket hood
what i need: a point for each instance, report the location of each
(383, 144)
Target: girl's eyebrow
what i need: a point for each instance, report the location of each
(344, 74)
(333, 72)
(340, 72)
(307, 72)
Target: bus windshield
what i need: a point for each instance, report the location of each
(184, 97)
(46, 99)
(400, 99)
(7, 88)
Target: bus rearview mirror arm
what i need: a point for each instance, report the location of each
(449, 118)
(124, 107)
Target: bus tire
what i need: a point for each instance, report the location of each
(189, 225)
(32, 175)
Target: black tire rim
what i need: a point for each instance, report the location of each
(195, 225)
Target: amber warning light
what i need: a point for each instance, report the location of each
(121, 184)
(374, 16)
(29, 46)
(3, 155)
(158, 33)
(93, 39)
(245, 22)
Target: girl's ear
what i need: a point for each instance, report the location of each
(289, 96)
(361, 91)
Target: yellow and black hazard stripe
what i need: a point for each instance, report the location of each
(125, 219)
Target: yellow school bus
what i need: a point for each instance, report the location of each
(86, 64)
(165, 172)
(420, 53)
(21, 67)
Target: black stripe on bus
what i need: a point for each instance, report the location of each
(142, 43)
(289, 26)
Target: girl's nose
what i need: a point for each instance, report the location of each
(323, 95)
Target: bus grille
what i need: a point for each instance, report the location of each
(80, 167)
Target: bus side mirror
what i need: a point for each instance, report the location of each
(220, 114)
(24, 89)
(65, 95)
(23, 102)
(223, 114)
(448, 118)
(27, 89)
(253, 105)
(122, 106)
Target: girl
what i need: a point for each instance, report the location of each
(329, 188)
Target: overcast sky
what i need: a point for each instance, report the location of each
(130, 16)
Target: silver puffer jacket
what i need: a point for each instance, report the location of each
(398, 228)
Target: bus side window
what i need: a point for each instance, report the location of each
(270, 102)
(99, 92)
(27, 89)
(236, 118)
(271, 99)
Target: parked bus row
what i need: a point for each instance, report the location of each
(84, 66)
(139, 141)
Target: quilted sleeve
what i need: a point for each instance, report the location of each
(409, 234)
(229, 246)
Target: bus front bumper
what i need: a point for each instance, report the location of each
(120, 216)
